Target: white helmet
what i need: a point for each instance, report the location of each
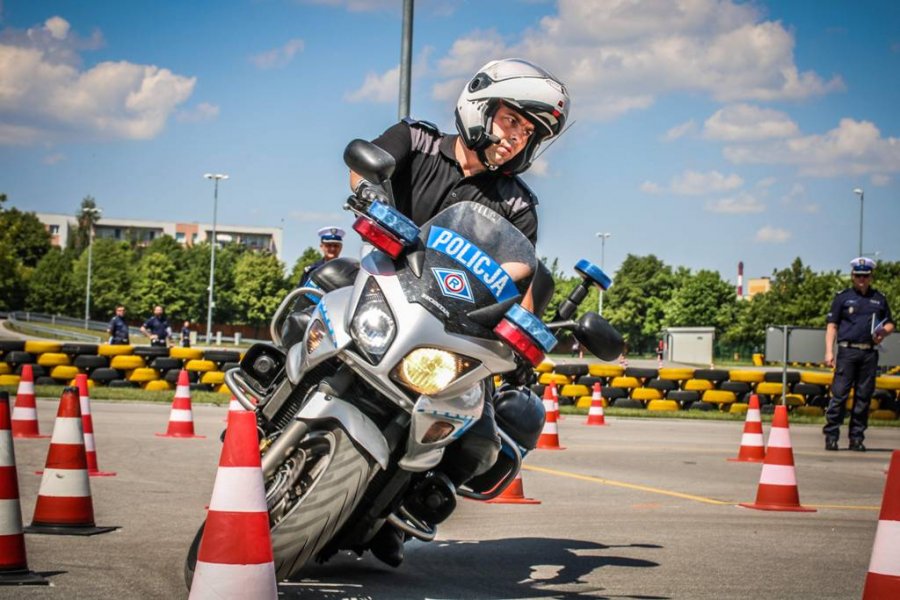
(524, 87)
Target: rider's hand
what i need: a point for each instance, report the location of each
(368, 192)
(523, 375)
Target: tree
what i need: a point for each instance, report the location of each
(635, 304)
(259, 286)
(87, 217)
(153, 284)
(52, 285)
(309, 256)
(111, 274)
(13, 280)
(702, 300)
(27, 237)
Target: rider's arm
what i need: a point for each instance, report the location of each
(397, 141)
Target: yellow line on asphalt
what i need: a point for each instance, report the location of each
(653, 490)
(630, 486)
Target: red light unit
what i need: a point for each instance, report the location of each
(378, 236)
(519, 341)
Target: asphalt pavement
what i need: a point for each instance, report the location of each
(641, 508)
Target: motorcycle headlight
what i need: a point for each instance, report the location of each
(373, 326)
(430, 370)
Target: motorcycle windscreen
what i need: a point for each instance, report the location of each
(474, 258)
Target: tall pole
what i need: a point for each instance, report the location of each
(91, 212)
(859, 192)
(602, 237)
(212, 255)
(406, 58)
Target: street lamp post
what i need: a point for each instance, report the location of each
(859, 192)
(602, 237)
(212, 256)
(89, 212)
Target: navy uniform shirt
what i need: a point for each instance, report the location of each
(428, 179)
(118, 330)
(157, 326)
(853, 313)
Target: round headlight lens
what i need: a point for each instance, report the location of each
(373, 329)
(429, 370)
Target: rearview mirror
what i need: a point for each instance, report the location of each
(598, 336)
(369, 161)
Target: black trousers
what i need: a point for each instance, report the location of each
(854, 368)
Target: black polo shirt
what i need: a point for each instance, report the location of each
(853, 312)
(428, 179)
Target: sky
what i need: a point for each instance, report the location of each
(705, 132)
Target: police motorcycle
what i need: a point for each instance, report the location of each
(365, 393)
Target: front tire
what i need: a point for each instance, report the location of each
(331, 484)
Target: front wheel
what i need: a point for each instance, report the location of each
(310, 497)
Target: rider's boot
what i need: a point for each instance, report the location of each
(387, 545)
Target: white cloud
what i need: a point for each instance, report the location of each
(772, 235)
(52, 159)
(540, 168)
(880, 180)
(278, 57)
(694, 183)
(766, 182)
(316, 217)
(797, 191)
(648, 187)
(377, 88)
(47, 97)
(852, 148)
(617, 57)
(679, 131)
(743, 203)
(198, 114)
(744, 122)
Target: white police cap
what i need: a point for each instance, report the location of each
(332, 234)
(862, 265)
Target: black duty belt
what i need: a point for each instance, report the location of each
(857, 346)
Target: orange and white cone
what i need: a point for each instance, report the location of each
(549, 439)
(595, 412)
(555, 391)
(13, 561)
(64, 505)
(24, 414)
(778, 480)
(181, 417)
(237, 511)
(514, 494)
(883, 578)
(752, 449)
(87, 423)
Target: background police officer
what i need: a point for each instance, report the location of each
(859, 319)
(157, 327)
(331, 241)
(118, 328)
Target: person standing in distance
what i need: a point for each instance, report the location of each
(331, 242)
(118, 328)
(157, 327)
(859, 320)
(503, 115)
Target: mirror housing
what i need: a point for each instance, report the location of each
(369, 161)
(598, 336)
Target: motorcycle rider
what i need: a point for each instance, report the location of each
(503, 115)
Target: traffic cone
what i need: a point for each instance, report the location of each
(549, 439)
(13, 562)
(64, 505)
(595, 412)
(778, 480)
(24, 414)
(181, 418)
(237, 511)
(87, 423)
(514, 494)
(752, 449)
(555, 391)
(883, 578)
